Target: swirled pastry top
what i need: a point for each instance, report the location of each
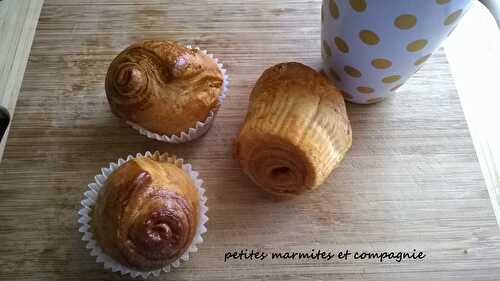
(146, 214)
(163, 86)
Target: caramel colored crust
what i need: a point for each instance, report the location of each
(146, 215)
(296, 130)
(163, 86)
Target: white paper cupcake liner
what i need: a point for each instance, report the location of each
(201, 127)
(90, 199)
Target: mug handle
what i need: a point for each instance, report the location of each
(494, 7)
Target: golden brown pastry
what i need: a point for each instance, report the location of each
(163, 87)
(146, 214)
(296, 130)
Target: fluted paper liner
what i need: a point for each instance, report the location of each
(90, 198)
(201, 127)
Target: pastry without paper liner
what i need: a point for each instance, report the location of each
(163, 86)
(296, 130)
(146, 215)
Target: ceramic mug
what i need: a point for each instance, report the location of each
(371, 47)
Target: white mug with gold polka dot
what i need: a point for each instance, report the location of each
(371, 47)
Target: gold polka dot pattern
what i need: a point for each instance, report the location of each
(341, 45)
(405, 21)
(416, 45)
(422, 59)
(327, 49)
(365, 90)
(381, 63)
(442, 2)
(358, 5)
(369, 37)
(369, 57)
(334, 9)
(391, 79)
(351, 71)
(452, 17)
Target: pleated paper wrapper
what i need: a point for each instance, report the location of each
(90, 198)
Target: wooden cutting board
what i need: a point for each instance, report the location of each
(411, 180)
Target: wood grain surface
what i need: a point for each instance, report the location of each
(411, 180)
(18, 19)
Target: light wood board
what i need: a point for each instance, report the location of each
(18, 19)
(411, 180)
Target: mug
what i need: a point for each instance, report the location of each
(370, 48)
